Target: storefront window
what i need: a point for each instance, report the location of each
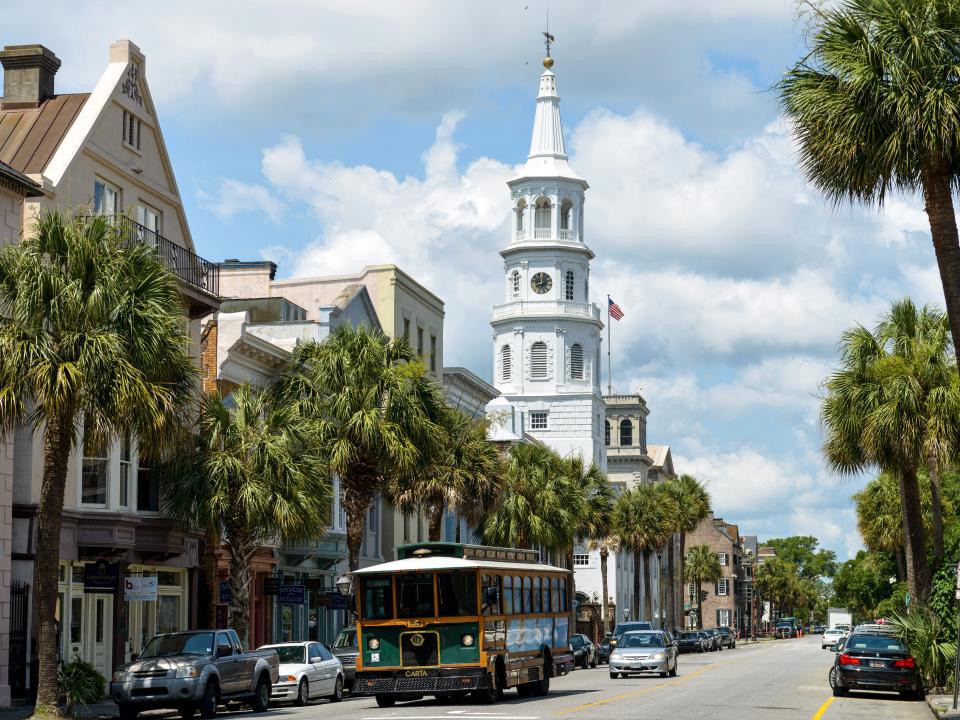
(168, 613)
(76, 574)
(286, 623)
(173, 579)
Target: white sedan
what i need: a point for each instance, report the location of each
(832, 637)
(308, 670)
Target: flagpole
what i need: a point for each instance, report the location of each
(609, 365)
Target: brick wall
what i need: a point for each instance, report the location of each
(708, 534)
(208, 357)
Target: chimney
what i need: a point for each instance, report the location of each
(28, 72)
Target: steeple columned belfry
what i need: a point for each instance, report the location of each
(546, 333)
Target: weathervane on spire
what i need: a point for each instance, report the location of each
(547, 39)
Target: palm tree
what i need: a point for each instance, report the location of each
(701, 565)
(690, 505)
(538, 504)
(772, 581)
(875, 103)
(254, 476)
(641, 522)
(605, 545)
(462, 474)
(91, 331)
(880, 516)
(893, 404)
(377, 412)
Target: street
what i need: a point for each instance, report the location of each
(782, 679)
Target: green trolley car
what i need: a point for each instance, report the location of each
(448, 619)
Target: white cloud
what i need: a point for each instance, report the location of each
(233, 197)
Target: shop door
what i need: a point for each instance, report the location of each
(98, 628)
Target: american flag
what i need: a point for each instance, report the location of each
(613, 309)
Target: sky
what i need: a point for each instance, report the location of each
(330, 135)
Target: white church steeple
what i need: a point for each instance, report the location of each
(547, 332)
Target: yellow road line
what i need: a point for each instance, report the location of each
(635, 693)
(823, 709)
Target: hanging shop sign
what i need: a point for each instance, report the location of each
(101, 577)
(226, 594)
(291, 594)
(272, 584)
(142, 589)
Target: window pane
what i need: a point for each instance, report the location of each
(555, 595)
(517, 595)
(168, 613)
(148, 490)
(415, 595)
(377, 600)
(527, 594)
(507, 595)
(457, 593)
(536, 595)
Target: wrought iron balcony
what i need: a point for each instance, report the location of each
(192, 269)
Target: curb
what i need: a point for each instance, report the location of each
(942, 707)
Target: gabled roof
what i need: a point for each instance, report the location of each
(30, 136)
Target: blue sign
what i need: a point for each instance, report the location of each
(333, 600)
(101, 577)
(226, 594)
(291, 594)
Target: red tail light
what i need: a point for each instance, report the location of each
(908, 663)
(849, 660)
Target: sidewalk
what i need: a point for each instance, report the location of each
(942, 706)
(102, 709)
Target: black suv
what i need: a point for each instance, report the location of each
(727, 637)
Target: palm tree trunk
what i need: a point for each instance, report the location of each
(647, 586)
(435, 525)
(636, 584)
(604, 555)
(901, 564)
(57, 441)
(241, 551)
(211, 542)
(357, 493)
(933, 468)
(936, 178)
(672, 605)
(918, 576)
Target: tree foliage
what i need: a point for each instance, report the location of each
(803, 552)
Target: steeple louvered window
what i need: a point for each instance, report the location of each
(515, 282)
(538, 360)
(568, 285)
(506, 364)
(576, 362)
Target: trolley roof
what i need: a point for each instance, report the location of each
(427, 563)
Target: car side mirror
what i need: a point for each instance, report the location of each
(316, 659)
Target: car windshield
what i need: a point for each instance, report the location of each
(875, 643)
(689, 636)
(289, 653)
(179, 644)
(627, 627)
(635, 641)
(346, 639)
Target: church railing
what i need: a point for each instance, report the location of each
(542, 233)
(546, 307)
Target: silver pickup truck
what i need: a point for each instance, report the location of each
(195, 670)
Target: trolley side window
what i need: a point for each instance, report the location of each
(377, 598)
(415, 595)
(490, 600)
(517, 595)
(457, 593)
(507, 595)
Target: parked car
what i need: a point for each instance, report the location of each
(831, 638)
(717, 637)
(307, 671)
(603, 649)
(641, 651)
(691, 642)
(584, 651)
(628, 627)
(872, 661)
(195, 670)
(710, 641)
(728, 638)
(345, 649)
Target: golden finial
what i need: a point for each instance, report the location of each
(547, 39)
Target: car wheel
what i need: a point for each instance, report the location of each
(127, 711)
(673, 673)
(337, 690)
(261, 695)
(594, 663)
(386, 701)
(840, 692)
(665, 674)
(303, 693)
(210, 700)
(614, 676)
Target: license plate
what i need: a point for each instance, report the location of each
(636, 666)
(877, 663)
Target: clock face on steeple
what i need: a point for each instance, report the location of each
(541, 283)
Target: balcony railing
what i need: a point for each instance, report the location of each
(542, 233)
(566, 234)
(546, 307)
(189, 267)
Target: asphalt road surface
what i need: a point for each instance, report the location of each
(780, 679)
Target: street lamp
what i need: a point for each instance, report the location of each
(345, 585)
(626, 614)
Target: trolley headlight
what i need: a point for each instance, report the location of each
(466, 640)
(373, 643)
(188, 672)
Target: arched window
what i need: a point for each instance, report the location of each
(521, 212)
(507, 595)
(626, 433)
(538, 360)
(568, 284)
(515, 282)
(541, 219)
(566, 218)
(536, 596)
(506, 364)
(576, 362)
(606, 433)
(517, 595)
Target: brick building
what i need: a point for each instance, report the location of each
(721, 605)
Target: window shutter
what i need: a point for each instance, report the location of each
(538, 361)
(568, 285)
(718, 618)
(576, 363)
(505, 363)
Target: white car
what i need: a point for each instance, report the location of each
(308, 670)
(832, 637)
